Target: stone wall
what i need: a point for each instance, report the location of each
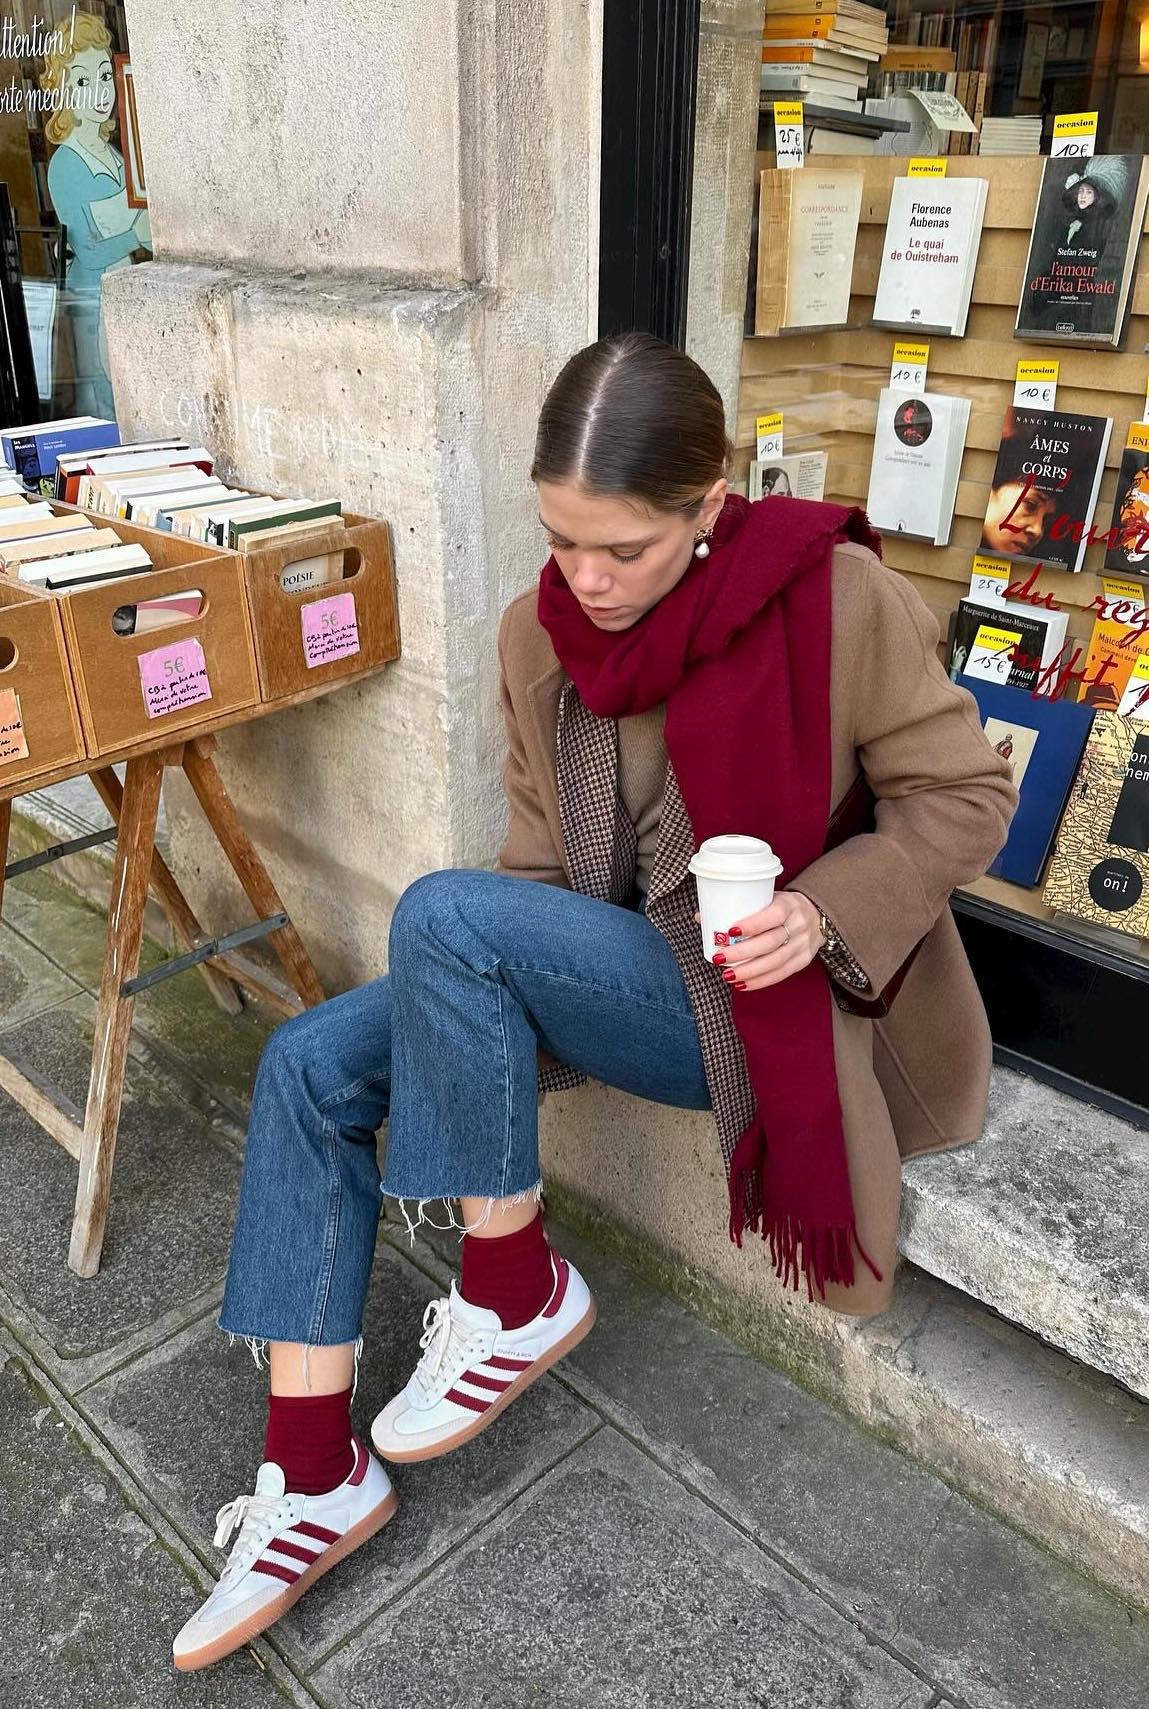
(370, 263)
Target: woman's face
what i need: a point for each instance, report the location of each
(618, 556)
(1086, 196)
(1016, 518)
(92, 85)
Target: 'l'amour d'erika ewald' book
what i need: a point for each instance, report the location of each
(1044, 488)
(918, 442)
(1100, 867)
(1042, 739)
(1083, 252)
(930, 253)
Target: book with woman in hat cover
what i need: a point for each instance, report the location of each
(1083, 253)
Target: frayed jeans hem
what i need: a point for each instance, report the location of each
(422, 1219)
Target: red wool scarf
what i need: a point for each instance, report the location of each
(739, 649)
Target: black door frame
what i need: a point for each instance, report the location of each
(649, 72)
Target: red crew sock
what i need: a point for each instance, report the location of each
(310, 1437)
(511, 1274)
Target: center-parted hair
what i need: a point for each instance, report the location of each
(634, 417)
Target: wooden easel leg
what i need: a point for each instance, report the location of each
(5, 828)
(171, 899)
(249, 869)
(134, 848)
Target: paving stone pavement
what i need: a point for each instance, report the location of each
(663, 1520)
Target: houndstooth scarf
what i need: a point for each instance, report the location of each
(601, 853)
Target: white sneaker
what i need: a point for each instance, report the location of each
(285, 1543)
(472, 1367)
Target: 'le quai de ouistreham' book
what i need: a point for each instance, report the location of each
(1100, 867)
(1083, 252)
(1018, 647)
(918, 442)
(1128, 547)
(930, 253)
(1044, 487)
(807, 228)
(1042, 739)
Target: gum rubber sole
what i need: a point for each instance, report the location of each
(468, 1432)
(276, 1609)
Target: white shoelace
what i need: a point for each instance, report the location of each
(443, 1343)
(258, 1517)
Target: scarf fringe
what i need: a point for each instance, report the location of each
(821, 1253)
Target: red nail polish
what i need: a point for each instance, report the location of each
(729, 974)
(719, 959)
(736, 931)
(740, 985)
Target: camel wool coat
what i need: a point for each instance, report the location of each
(918, 1079)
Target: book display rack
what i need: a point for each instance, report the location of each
(91, 697)
(1061, 988)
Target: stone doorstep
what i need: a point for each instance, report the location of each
(1056, 1449)
(1046, 1219)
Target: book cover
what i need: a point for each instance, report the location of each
(929, 254)
(1043, 741)
(1044, 488)
(1002, 642)
(1114, 648)
(1100, 866)
(802, 474)
(918, 443)
(33, 453)
(1086, 230)
(1129, 526)
(288, 510)
(807, 230)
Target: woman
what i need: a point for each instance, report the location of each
(689, 664)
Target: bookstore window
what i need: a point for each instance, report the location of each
(75, 202)
(933, 208)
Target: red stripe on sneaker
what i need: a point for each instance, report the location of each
(360, 1471)
(504, 1364)
(295, 1550)
(468, 1400)
(562, 1277)
(495, 1384)
(319, 1532)
(274, 1569)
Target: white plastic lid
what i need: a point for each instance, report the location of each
(735, 857)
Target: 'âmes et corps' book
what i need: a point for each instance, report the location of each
(1083, 253)
(1044, 487)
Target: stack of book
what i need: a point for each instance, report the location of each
(32, 452)
(58, 553)
(1010, 136)
(821, 57)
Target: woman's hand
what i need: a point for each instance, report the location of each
(775, 942)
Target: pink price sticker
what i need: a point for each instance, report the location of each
(13, 742)
(330, 629)
(174, 677)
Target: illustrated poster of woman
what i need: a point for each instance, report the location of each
(87, 186)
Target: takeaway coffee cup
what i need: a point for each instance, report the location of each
(735, 877)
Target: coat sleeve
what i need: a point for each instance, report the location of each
(944, 798)
(528, 849)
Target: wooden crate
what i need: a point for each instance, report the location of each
(304, 637)
(34, 664)
(110, 670)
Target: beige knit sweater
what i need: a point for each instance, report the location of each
(642, 762)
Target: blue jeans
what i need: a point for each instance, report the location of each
(483, 969)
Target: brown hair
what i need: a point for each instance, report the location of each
(634, 417)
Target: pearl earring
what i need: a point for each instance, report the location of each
(702, 549)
